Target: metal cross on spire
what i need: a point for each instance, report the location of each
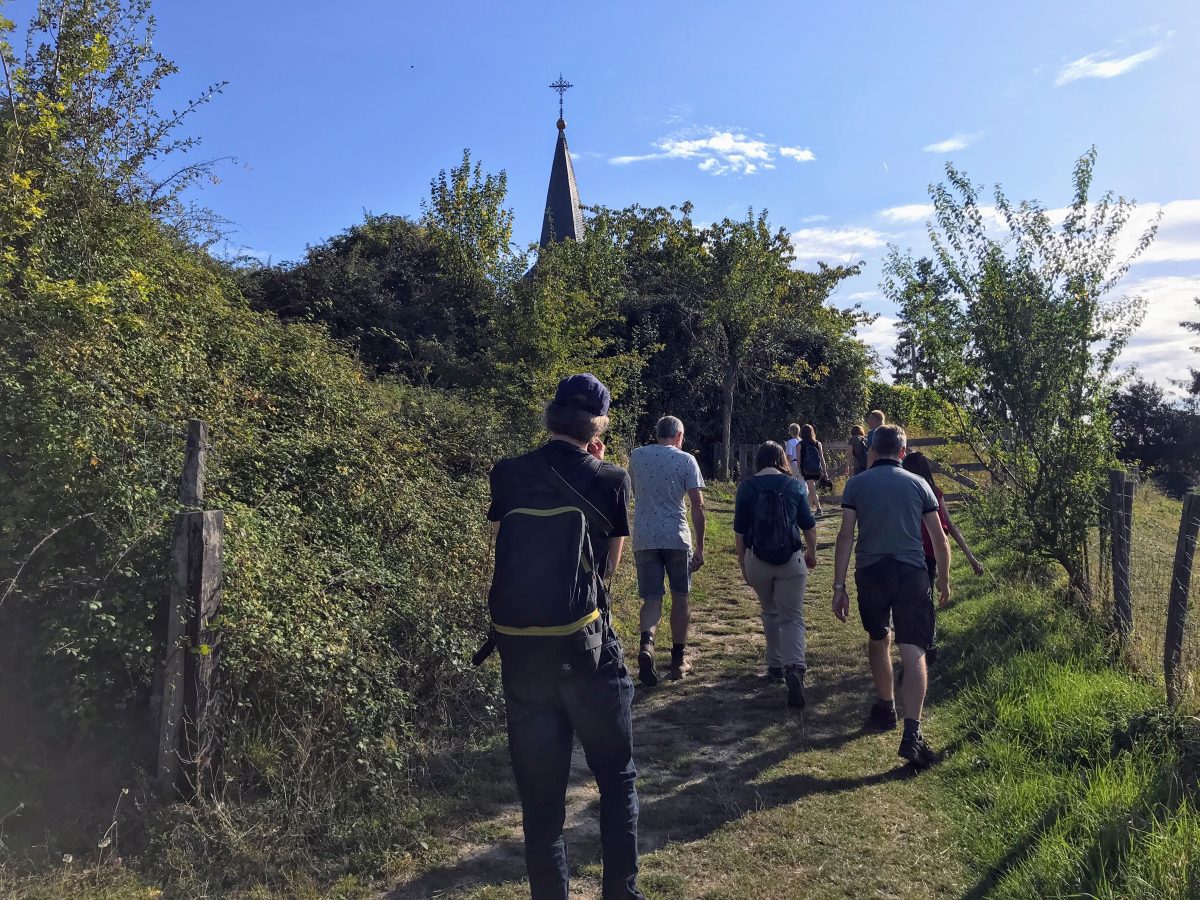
(562, 86)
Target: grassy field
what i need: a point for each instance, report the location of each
(1152, 559)
(1062, 775)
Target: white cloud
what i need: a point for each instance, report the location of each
(1105, 64)
(835, 245)
(959, 141)
(1162, 349)
(720, 152)
(911, 212)
(808, 220)
(798, 154)
(880, 336)
(1178, 237)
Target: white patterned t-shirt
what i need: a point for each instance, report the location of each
(661, 477)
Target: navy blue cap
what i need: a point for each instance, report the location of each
(584, 392)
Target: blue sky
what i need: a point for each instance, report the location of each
(834, 116)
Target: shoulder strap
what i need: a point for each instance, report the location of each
(554, 479)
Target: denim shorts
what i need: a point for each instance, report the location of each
(653, 564)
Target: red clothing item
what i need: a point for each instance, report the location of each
(944, 516)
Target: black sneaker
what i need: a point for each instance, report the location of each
(916, 751)
(883, 715)
(646, 673)
(794, 675)
(774, 675)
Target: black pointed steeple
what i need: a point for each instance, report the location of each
(563, 218)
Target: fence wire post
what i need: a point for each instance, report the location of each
(190, 666)
(1177, 609)
(1120, 500)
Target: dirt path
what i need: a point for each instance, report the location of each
(740, 796)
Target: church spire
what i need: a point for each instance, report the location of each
(563, 218)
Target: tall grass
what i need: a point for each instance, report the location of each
(1069, 778)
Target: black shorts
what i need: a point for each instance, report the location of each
(811, 476)
(892, 592)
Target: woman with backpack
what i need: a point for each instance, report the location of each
(918, 463)
(857, 463)
(771, 512)
(812, 465)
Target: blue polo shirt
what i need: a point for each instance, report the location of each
(890, 503)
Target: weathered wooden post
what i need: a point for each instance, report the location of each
(190, 667)
(1120, 500)
(1181, 582)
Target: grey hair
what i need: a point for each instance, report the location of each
(668, 427)
(889, 440)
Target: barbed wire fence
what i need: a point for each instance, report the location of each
(1144, 582)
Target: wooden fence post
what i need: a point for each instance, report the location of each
(189, 670)
(1181, 582)
(1120, 500)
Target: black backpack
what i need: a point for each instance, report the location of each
(810, 458)
(774, 535)
(546, 594)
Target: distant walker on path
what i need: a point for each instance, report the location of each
(888, 506)
(663, 475)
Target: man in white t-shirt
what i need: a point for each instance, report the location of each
(662, 475)
(792, 448)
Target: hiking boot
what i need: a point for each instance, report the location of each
(916, 751)
(681, 666)
(774, 674)
(794, 676)
(883, 715)
(646, 673)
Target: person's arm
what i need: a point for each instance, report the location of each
(841, 564)
(824, 461)
(941, 552)
(696, 498)
(976, 565)
(810, 548)
(739, 543)
(615, 545)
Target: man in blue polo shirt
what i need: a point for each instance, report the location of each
(888, 505)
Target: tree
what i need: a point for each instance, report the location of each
(1194, 386)
(923, 300)
(416, 299)
(1025, 346)
(1157, 434)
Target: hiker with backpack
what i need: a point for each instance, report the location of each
(888, 506)
(663, 475)
(857, 463)
(771, 512)
(560, 515)
(813, 468)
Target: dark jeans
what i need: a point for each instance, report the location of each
(546, 708)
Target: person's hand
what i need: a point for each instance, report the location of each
(697, 560)
(943, 586)
(810, 559)
(841, 604)
(596, 448)
(976, 567)
(744, 578)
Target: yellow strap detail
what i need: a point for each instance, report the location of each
(550, 631)
(557, 511)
